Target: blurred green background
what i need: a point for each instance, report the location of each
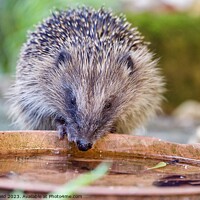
(174, 37)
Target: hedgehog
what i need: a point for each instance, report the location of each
(84, 73)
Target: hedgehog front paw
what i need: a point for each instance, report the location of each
(113, 129)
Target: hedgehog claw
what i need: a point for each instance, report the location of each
(61, 131)
(113, 130)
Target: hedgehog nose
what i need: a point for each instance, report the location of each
(83, 145)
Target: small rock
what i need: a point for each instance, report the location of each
(188, 111)
(196, 137)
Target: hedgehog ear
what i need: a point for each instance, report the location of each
(130, 64)
(63, 57)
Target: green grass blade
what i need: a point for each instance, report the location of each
(85, 179)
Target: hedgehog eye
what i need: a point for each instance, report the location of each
(63, 57)
(73, 101)
(107, 105)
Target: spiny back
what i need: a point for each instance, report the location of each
(81, 26)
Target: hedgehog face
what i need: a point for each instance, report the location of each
(86, 119)
(94, 95)
(84, 125)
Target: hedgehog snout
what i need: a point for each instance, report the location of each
(83, 145)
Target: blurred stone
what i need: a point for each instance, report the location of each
(169, 129)
(196, 137)
(188, 112)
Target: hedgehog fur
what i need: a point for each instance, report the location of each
(84, 73)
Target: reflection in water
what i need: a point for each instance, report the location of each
(59, 169)
(178, 180)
